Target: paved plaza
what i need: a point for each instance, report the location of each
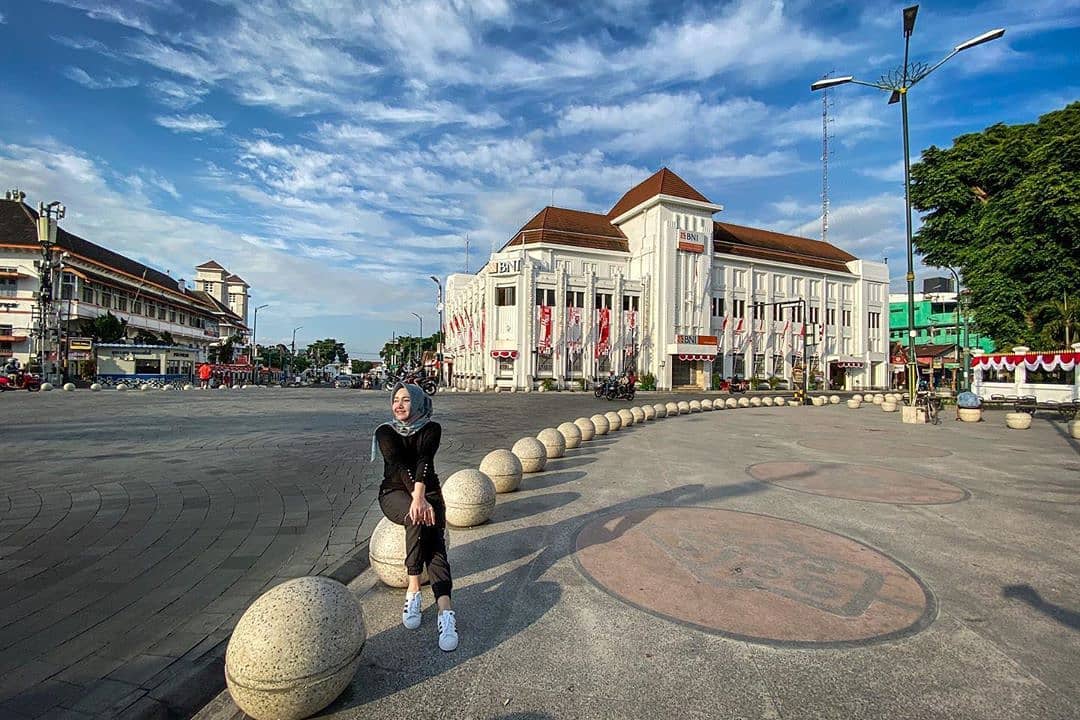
(761, 562)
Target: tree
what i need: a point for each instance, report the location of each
(359, 367)
(1003, 206)
(326, 351)
(224, 352)
(407, 348)
(105, 328)
(145, 337)
(167, 338)
(1058, 321)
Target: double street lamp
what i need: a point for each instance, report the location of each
(898, 82)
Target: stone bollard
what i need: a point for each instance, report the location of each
(504, 469)
(386, 553)
(779, 402)
(121, 388)
(661, 410)
(554, 443)
(223, 387)
(877, 399)
(95, 387)
(793, 403)
(706, 404)
(672, 409)
(857, 397)
(888, 406)
(649, 411)
(834, 399)
(626, 418)
(970, 414)
(695, 406)
(600, 424)
(69, 387)
(189, 386)
(46, 387)
(469, 496)
(639, 415)
(571, 435)
(1018, 420)
(767, 401)
(614, 422)
(744, 402)
(1074, 429)
(532, 454)
(588, 430)
(683, 407)
(854, 404)
(755, 401)
(295, 649)
(731, 403)
(817, 401)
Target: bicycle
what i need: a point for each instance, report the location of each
(930, 404)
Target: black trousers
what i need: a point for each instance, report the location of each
(425, 545)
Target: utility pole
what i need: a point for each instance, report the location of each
(48, 330)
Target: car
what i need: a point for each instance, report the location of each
(346, 381)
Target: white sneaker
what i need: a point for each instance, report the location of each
(410, 614)
(447, 631)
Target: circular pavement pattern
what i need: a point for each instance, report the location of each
(864, 447)
(858, 482)
(753, 577)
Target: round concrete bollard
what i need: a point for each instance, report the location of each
(532, 454)
(767, 401)
(554, 442)
(888, 407)
(46, 387)
(469, 496)
(743, 402)
(672, 409)
(69, 387)
(639, 415)
(793, 403)
(1074, 429)
(166, 388)
(661, 410)
(614, 422)
(649, 411)
(731, 403)
(779, 402)
(386, 553)
(223, 387)
(600, 424)
(834, 399)
(817, 401)
(1018, 420)
(854, 404)
(857, 397)
(121, 388)
(295, 649)
(586, 427)
(189, 386)
(877, 399)
(571, 434)
(504, 469)
(695, 406)
(95, 387)
(626, 417)
(684, 407)
(970, 414)
(706, 404)
(755, 401)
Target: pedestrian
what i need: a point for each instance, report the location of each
(410, 496)
(204, 375)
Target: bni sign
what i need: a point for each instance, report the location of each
(500, 267)
(690, 241)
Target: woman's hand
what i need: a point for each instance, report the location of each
(421, 512)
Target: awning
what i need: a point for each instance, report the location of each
(504, 354)
(694, 358)
(1031, 361)
(847, 363)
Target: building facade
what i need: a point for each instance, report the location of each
(658, 285)
(90, 281)
(936, 318)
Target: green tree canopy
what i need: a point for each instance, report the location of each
(1003, 207)
(326, 351)
(359, 367)
(105, 328)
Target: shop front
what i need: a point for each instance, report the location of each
(691, 358)
(144, 362)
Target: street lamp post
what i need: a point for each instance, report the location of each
(48, 218)
(956, 329)
(293, 355)
(442, 332)
(898, 83)
(420, 347)
(255, 341)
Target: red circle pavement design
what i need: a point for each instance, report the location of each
(753, 577)
(866, 483)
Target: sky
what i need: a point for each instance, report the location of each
(335, 154)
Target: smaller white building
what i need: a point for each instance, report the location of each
(656, 284)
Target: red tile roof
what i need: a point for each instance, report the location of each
(209, 265)
(743, 241)
(236, 279)
(562, 226)
(662, 182)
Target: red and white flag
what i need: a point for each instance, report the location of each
(543, 335)
(603, 331)
(573, 328)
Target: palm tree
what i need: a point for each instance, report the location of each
(1060, 319)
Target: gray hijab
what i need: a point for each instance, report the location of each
(419, 415)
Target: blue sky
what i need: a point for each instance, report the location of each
(335, 153)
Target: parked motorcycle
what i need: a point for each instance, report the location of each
(621, 388)
(427, 384)
(20, 381)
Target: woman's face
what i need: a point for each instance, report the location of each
(402, 405)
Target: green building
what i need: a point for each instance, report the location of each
(935, 318)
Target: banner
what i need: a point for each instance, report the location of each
(603, 331)
(573, 328)
(543, 334)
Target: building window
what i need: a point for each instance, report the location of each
(738, 278)
(777, 312)
(147, 366)
(7, 330)
(797, 285)
(778, 364)
(815, 288)
(830, 290)
(830, 316)
(150, 310)
(759, 364)
(5, 349)
(845, 293)
(136, 307)
(738, 308)
(759, 282)
(545, 296)
(815, 316)
(630, 302)
(874, 320)
(172, 316)
(8, 287)
(106, 299)
(717, 306)
(505, 296)
(182, 319)
(603, 364)
(778, 285)
(759, 311)
(121, 303)
(603, 300)
(161, 313)
(207, 286)
(845, 318)
(545, 366)
(575, 298)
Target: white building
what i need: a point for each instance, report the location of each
(658, 284)
(92, 281)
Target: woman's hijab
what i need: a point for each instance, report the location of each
(419, 414)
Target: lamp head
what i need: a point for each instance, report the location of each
(909, 19)
(826, 83)
(894, 97)
(980, 39)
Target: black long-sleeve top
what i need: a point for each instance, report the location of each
(409, 460)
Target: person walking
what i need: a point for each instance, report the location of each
(410, 496)
(205, 371)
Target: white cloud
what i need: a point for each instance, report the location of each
(194, 123)
(771, 164)
(2, 19)
(870, 228)
(77, 74)
(889, 173)
(121, 13)
(178, 96)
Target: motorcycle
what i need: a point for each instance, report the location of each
(427, 384)
(20, 381)
(621, 388)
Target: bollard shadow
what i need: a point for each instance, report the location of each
(523, 507)
(1026, 593)
(551, 479)
(567, 462)
(493, 610)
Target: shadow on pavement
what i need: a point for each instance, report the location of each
(525, 506)
(1031, 596)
